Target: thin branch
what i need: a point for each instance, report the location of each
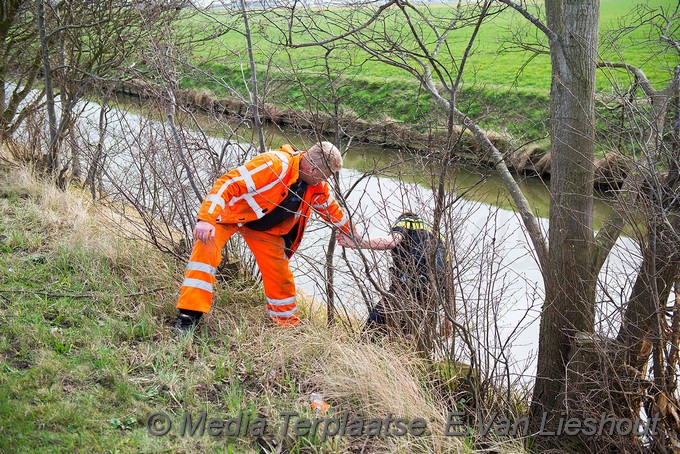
(665, 37)
(471, 41)
(75, 27)
(373, 18)
(639, 75)
(533, 19)
(79, 295)
(178, 141)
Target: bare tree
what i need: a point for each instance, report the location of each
(569, 273)
(648, 327)
(20, 64)
(254, 99)
(87, 47)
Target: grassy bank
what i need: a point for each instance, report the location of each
(87, 351)
(520, 112)
(504, 88)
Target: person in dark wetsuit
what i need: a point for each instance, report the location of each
(417, 254)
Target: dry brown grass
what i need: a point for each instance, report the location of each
(363, 378)
(68, 222)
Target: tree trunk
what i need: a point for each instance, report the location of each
(7, 16)
(96, 164)
(76, 155)
(254, 99)
(647, 303)
(52, 163)
(330, 294)
(3, 104)
(643, 324)
(569, 305)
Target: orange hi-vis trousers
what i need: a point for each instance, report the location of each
(279, 287)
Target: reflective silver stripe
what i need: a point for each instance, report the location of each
(197, 283)
(260, 168)
(327, 203)
(341, 222)
(216, 201)
(322, 206)
(248, 177)
(249, 197)
(199, 266)
(284, 163)
(244, 175)
(221, 191)
(269, 186)
(282, 302)
(284, 169)
(226, 185)
(265, 188)
(254, 205)
(281, 155)
(286, 314)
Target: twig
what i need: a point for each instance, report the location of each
(373, 18)
(74, 295)
(158, 289)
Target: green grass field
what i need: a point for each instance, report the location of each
(503, 88)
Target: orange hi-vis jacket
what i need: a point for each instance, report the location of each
(246, 194)
(254, 189)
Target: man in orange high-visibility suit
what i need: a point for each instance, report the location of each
(268, 201)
